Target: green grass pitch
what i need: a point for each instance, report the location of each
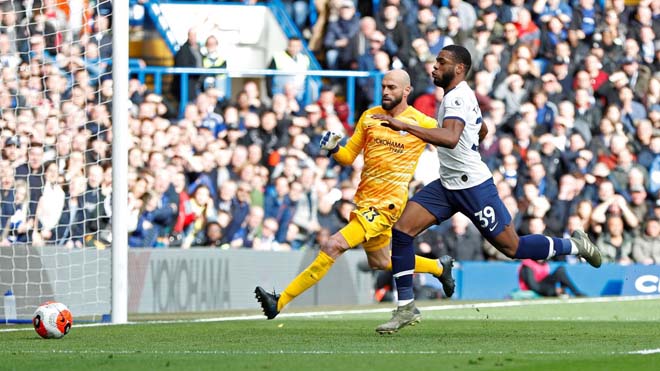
(579, 334)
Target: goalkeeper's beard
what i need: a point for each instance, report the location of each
(389, 105)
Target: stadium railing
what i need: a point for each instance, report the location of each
(157, 73)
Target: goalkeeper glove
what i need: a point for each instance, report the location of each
(330, 142)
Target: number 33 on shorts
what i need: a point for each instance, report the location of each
(486, 218)
(373, 222)
(370, 214)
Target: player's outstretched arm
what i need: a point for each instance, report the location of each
(446, 136)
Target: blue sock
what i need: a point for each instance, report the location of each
(403, 264)
(534, 246)
(562, 246)
(539, 247)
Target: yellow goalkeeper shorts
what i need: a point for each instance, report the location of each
(368, 227)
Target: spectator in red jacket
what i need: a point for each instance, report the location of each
(535, 275)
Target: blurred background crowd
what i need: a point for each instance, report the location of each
(570, 92)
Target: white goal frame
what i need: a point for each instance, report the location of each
(120, 136)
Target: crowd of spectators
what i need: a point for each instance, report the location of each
(570, 92)
(55, 104)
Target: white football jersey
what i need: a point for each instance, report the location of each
(462, 167)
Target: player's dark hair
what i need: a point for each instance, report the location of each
(461, 55)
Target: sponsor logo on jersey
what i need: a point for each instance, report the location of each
(394, 146)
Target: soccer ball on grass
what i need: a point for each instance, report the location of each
(52, 320)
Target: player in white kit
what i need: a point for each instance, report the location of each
(465, 185)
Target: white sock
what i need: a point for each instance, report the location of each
(574, 249)
(401, 303)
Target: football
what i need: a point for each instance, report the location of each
(52, 320)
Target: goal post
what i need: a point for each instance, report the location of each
(120, 137)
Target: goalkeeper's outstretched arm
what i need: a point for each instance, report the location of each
(344, 155)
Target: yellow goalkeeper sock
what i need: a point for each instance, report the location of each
(306, 279)
(424, 265)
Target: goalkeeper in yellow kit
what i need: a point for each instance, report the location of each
(390, 159)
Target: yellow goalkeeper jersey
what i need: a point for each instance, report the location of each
(390, 159)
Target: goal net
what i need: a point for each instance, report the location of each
(55, 170)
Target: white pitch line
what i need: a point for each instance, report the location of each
(315, 352)
(311, 314)
(645, 351)
(502, 304)
(520, 303)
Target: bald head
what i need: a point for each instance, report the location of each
(400, 77)
(396, 88)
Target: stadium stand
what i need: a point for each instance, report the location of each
(570, 91)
